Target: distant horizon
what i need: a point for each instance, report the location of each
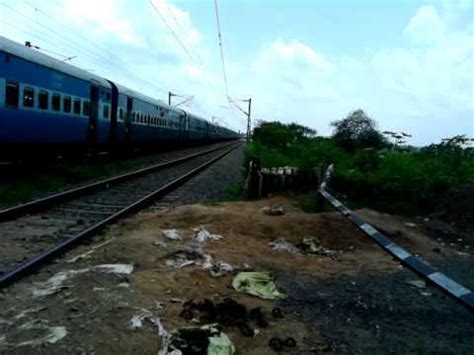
(408, 64)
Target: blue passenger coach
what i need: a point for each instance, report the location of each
(49, 104)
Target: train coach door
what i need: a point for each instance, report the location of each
(128, 121)
(182, 127)
(93, 115)
(113, 117)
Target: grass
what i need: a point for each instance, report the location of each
(31, 183)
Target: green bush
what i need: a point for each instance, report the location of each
(389, 177)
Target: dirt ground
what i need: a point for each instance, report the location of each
(362, 301)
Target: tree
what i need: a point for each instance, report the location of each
(357, 130)
(280, 135)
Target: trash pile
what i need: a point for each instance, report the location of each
(309, 245)
(206, 336)
(194, 254)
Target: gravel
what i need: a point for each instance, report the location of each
(211, 184)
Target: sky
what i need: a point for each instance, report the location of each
(408, 64)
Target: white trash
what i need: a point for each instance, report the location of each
(203, 235)
(172, 234)
(281, 244)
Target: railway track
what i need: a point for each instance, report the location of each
(37, 232)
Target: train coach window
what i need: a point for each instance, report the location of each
(121, 114)
(86, 108)
(77, 106)
(43, 97)
(105, 113)
(67, 103)
(28, 97)
(11, 94)
(56, 102)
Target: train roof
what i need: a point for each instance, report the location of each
(127, 91)
(34, 56)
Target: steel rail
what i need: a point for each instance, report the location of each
(48, 201)
(36, 262)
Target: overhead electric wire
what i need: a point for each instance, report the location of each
(219, 36)
(72, 44)
(183, 102)
(175, 20)
(175, 35)
(237, 106)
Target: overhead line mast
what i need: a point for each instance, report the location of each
(224, 73)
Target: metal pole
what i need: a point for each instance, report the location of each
(248, 120)
(169, 98)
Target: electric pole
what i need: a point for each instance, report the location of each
(246, 113)
(170, 95)
(248, 121)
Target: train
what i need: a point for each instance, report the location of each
(48, 105)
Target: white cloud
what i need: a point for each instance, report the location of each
(425, 86)
(292, 55)
(105, 18)
(426, 26)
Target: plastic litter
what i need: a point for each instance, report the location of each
(281, 244)
(55, 283)
(220, 345)
(196, 256)
(260, 284)
(218, 268)
(54, 334)
(179, 263)
(137, 322)
(207, 339)
(312, 245)
(124, 269)
(203, 235)
(416, 283)
(273, 210)
(172, 234)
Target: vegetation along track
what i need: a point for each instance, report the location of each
(38, 231)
